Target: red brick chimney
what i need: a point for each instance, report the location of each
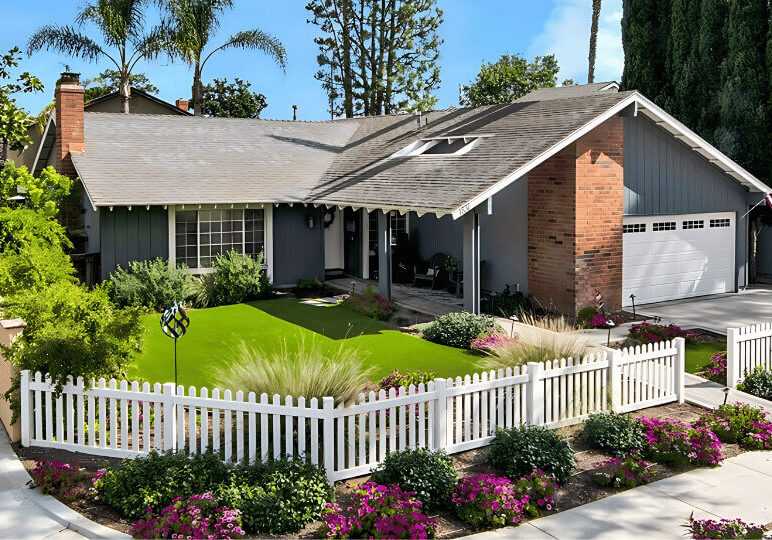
(182, 104)
(69, 121)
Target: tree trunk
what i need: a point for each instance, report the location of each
(125, 91)
(197, 90)
(348, 91)
(4, 152)
(593, 39)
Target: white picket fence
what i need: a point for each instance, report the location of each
(127, 420)
(747, 348)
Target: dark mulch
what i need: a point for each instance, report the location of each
(579, 490)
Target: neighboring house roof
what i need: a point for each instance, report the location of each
(137, 94)
(151, 159)
(563, 92)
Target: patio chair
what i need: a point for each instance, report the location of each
(429, 272)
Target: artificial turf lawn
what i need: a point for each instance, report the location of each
(214, 336)
(698, 355)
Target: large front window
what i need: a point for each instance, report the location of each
(201, 235)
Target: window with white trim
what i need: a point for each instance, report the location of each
(723, 222)
(201, 235)
(693, 224)
(633, 228)
(664, 226)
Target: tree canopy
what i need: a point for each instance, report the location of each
(14, 121)
(109, 81)
(231, 100)
(377, 56)
(509, 78)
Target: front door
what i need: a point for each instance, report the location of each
(352, 242)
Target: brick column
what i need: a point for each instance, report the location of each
(575, 208)
(69, 121)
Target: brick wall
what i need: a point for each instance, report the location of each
(575, 222)
(69, 125)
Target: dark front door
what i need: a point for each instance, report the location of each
(352, 242)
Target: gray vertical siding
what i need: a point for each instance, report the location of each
(132, 235)
(503, 238)
(663, 176)
(298, 251)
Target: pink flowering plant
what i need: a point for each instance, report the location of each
(709, 529)
(488, 501)
(717, 370)
(674, 442)
(371, 304)
(486, 343)
(739, 423)
(405, 378)
(200, 516)
(602, 321)
(653, 333)
(623, 472)
(540, 489)
(57, 478)
(379, 512)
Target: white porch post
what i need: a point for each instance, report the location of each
(384, 254)
(472, 262)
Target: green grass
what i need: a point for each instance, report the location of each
(214, 335)
(698, 355)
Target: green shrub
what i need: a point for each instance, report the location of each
(309, 287)
(301, 371)
(758, 383)
(518, 450)
(277, 496)
(430, 475)
(154, 284)
(614, 434)
(586, 313)
(153, 481)
(459, 329)
(236, 278)
(371, 304)
(739, 423)
(405, 378)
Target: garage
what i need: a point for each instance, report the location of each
(668, 257)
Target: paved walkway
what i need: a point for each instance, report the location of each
(716, 313)
(739, 488)
(708, 394)
(27, 513)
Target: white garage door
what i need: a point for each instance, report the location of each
(671, 257)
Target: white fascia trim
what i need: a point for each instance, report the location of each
(691, 139)
(610, 86)
(42, 141)
(687, 136)
(541, 158)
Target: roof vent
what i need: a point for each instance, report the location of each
(417, 120)
(449, 145)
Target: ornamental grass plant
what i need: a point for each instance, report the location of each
(534, 345)
(305, 370)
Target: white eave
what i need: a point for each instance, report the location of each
(652, 111)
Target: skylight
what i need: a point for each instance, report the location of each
(452, 145)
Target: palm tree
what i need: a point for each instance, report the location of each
(121, 24)
(593, 39)
(190, 25)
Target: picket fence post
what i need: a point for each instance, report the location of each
(440, 435)
(328, 437)
(170, 418)
(732, 357)
(680, 368)
(534, 392)
(26, 413)
(614, 378)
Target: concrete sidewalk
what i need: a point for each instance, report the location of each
(740, 488)
(27, 513)
(710, 395)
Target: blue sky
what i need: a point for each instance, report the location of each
(474, 31)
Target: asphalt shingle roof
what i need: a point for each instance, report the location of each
(149, 159)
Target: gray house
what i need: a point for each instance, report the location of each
(567, 193)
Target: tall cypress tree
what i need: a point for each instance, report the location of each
(645, 33)
(743, 134)
(711, 52)
(682, 61)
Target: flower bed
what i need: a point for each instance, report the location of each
(672, 441)
(725, 528)
(623, 472)
(653, 333)
(717, 370)
(200, 516)
(747, 426)
(371, 304)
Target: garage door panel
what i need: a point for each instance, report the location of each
(686, 261)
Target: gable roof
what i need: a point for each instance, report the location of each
(161, 159)
(136, 92)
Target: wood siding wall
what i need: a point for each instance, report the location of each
(132, 235)
(663, 176)
(298, 251)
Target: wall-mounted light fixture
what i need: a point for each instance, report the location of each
(310, 221)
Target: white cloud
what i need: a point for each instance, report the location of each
(566, 34)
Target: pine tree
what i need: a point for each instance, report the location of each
(743, 134)
(645, 33)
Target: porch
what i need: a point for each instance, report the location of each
(432, 302)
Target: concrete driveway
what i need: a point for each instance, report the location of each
(716, 313)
